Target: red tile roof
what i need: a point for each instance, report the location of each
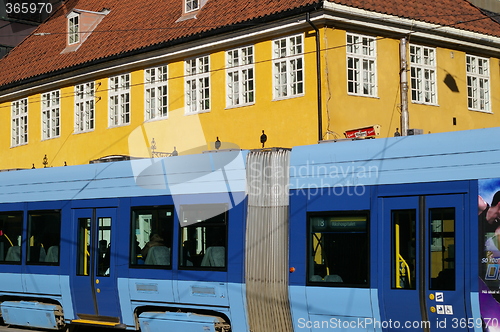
(133, 26)
(459, 14)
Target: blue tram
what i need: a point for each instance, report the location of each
(369, 235)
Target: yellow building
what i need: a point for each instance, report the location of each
(139, 79)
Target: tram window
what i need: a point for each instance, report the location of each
(339, 249)
(203, 237)
(11, 229)
(403, 249)
(442, 248)
(104, 246)
(44, 236)
(83, 247)
(152, 237)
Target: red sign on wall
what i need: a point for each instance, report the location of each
(365, 132)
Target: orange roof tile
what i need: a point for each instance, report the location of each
(133, 26)
(459, 14)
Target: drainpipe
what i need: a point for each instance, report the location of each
(318, 77)
(404, 88)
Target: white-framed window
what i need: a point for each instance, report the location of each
(19, 111)
(51, 114)
(361, 65)
(240, 76)
(423, 74)
(191, 5)
(288, 67)
(156, 89)
(73, 28)
(84, 107)
(197, 85)
(119, 100)
(478, 83)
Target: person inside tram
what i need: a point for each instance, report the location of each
(154, 240)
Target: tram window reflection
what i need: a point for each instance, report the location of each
(442, 248)
(151, 244)
(339, 249)
(11, 229)
(203, 237)
(404, 249)
(44, 236)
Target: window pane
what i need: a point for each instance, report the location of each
(104, 240)
(339, 249)
(204, 240)
(44, 237)
(119, 99)
(442, 243)
(361, 60)
(197, 85)
(404, 249)
(83, 247)
(288, 67)
(152, 243)
(478, 83)
(11, 229)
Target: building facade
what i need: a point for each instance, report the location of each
(121, 78)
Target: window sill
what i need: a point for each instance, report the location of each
(83, 131)
(49, 138)
(359, 95)
(196, 112)
(118, 125)
(424, 103)
(480, 111)
(288, 97)
(159, 118)
(229, 107)
(188, 16)
(17, 145)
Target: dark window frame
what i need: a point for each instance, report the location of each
(409, 233)
(9, 240)
(446, 278)
(345, 283)
(169, 243)
(29, 228)
(181, 248)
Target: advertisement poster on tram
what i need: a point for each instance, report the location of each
(489, 269)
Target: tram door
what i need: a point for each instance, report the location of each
(422, 278)
(94, 281)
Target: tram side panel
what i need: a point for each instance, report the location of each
(35, 286)
(202, 288)
(427, 233)
(200, 271)
(436, 275)
(330, 251)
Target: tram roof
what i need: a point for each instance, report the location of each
(218, 172)
(460, 155)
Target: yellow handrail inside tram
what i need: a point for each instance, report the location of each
(401, 265)
(12, 244)
(87, 253)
